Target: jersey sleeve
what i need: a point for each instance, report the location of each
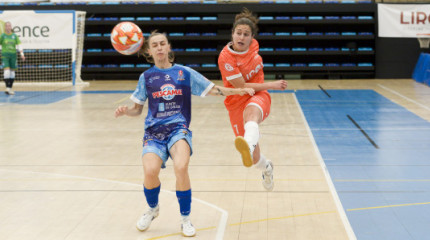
(228, 67)
(200, 85)
(1, 38)
(17, 41)
(139, 95)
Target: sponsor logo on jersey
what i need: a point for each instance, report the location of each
(255, 71)
(167, 77)
(168, 92)
(151, 79)
(181, 75)
(228, 67)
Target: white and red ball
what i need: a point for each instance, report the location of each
(127, 38)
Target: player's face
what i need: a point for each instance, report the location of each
(159, 48)
(242, 37)
(8, 27)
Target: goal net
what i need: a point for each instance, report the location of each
(53, 46)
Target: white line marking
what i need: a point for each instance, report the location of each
(400, 95)
(222, 225)
(336, 199)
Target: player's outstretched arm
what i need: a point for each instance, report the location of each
(275, 85)
(223, 91)
(136, 110)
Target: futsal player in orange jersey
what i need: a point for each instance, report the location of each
(241, 66)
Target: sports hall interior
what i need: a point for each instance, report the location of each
(349, 138)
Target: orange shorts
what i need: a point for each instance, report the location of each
(261, 100)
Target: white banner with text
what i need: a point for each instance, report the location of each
(42, 29)
(403, 20)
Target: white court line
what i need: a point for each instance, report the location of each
(222, 225)
(400, 95)
(333, 192)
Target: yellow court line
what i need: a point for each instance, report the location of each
(164, 179)
(389, 206)
(247, 222)
(252, 179)
(122, 100)
(382, 180)
(279, 218)
(294, 216)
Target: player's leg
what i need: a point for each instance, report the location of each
(266, 167)
(153, 159)
(257, 111)
(180, 152)
(252, 116)
(11, 81)
(246, 144)
(236, 121)
(13, 67)
(6, 72)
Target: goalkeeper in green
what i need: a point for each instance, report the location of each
(9, 42)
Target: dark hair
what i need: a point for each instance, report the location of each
(246, 18)
(144, 50)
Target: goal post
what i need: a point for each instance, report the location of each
(52, 43)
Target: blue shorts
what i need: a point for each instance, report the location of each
(152, 144)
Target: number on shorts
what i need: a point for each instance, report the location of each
(237, 129)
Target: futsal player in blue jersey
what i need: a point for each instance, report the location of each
(168, 88)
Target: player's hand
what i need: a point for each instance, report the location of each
(280, 85)
(23, 58)
(249, 91)
(121, 110)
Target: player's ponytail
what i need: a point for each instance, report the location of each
(144, 51)
(246, 17)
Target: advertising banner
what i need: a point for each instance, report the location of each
(403, 20)
(41, 29)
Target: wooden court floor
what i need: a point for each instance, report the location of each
(70, 170)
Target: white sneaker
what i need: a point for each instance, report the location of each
(268, 176)
(11, 92)
(243, 148)
(146, 219)
(7, 91)
(188, 229)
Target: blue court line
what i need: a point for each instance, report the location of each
(366, 177)
(48, 97)
(108, 92)
(36, 97)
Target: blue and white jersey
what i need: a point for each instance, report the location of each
(169, 94)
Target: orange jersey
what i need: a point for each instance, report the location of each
(248, 65)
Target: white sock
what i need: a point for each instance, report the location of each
(6, 74)
(261, 164)
(252, 134)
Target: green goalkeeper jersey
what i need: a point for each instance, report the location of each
(8, 42)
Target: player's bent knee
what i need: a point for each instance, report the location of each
(181, 169)
(151, 172)
(252, 113)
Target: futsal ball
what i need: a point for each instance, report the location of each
(127, 38)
